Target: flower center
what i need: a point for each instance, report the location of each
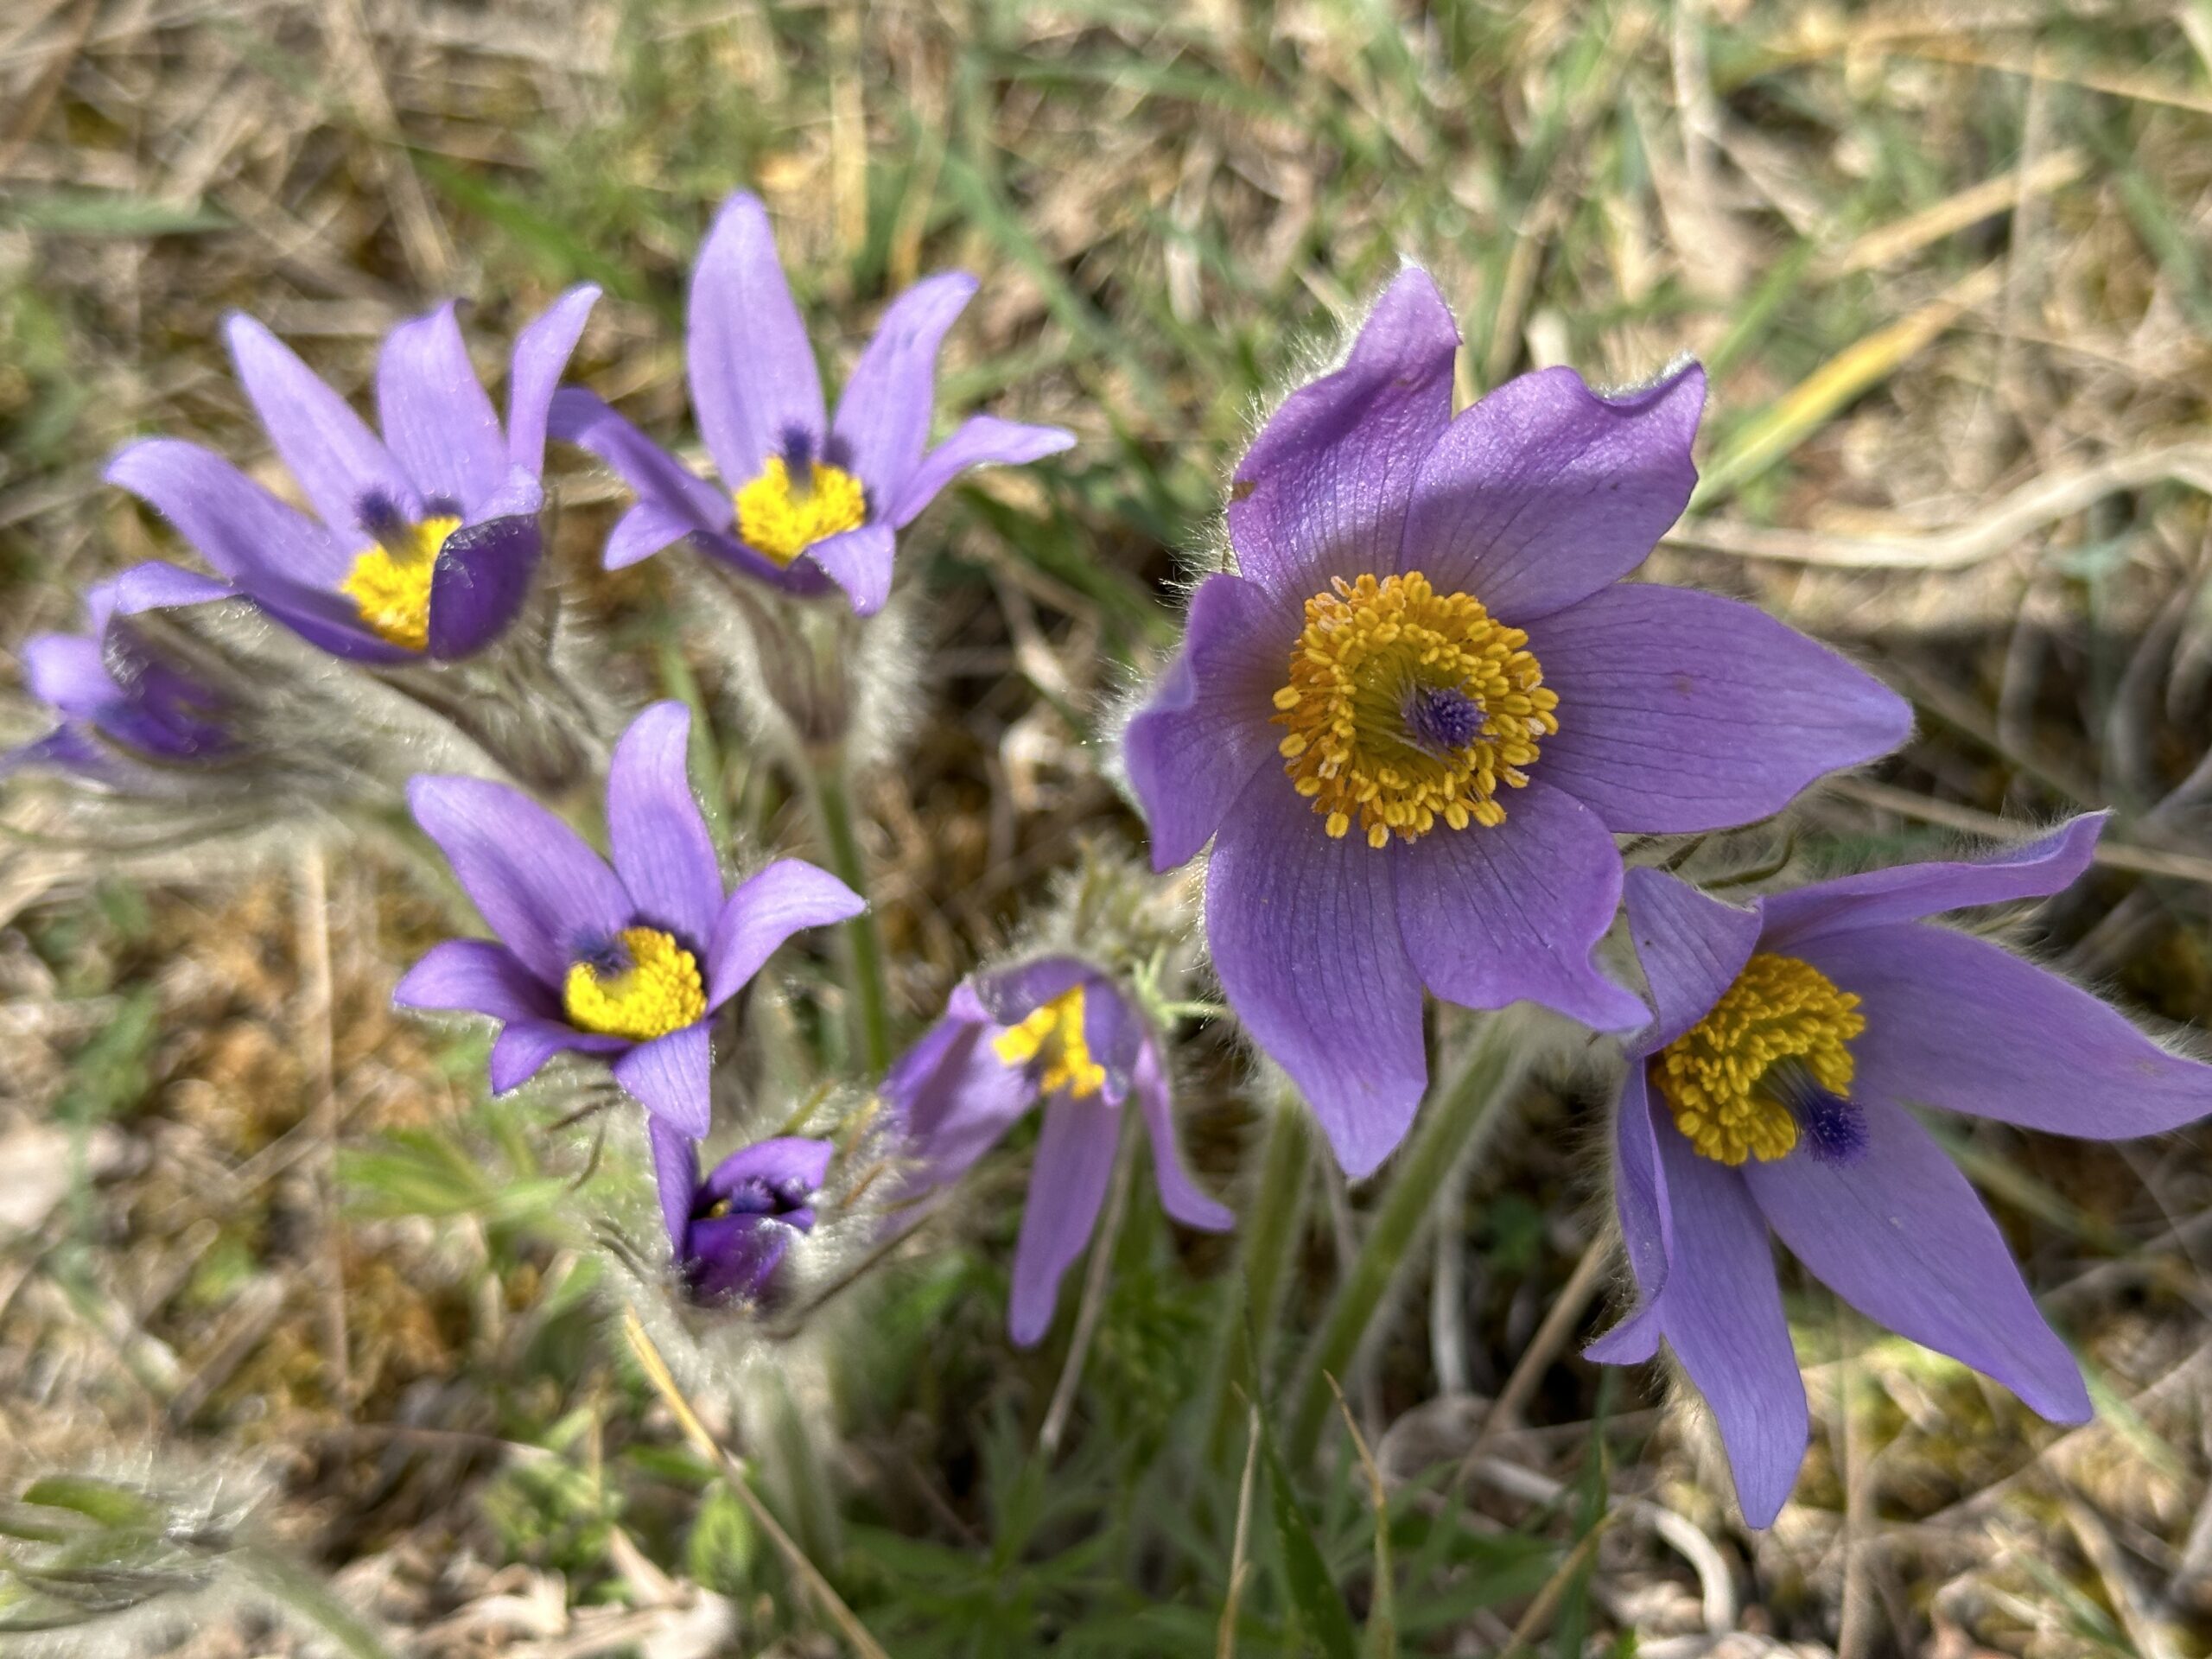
(1770, 1063)
(644, 986)
(389, 582)
(1052, 1040)
(1405, 706)
(796, 501)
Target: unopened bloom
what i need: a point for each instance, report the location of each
(1414, 718)
(728, 1233)
(1060, 1031)
(803, 500)
(629, 962)
(1772, 1093)
(427, 537)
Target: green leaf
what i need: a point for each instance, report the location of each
(97, 1500)
(101, 213)
(1321, 1603)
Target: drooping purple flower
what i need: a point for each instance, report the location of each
(127, 715)
(803, 499)
(629, 962)
(1770, 1094)
(1061, 1031)
(1414, 718)
(728, 1233)
(425, 540)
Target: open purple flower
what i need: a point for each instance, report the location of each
(1059, 1030)
(803, 498)
(1413, 719)
(728, 1233)
(1770, 1093)
(425, 540)
(629, 962)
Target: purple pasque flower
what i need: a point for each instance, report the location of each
(1415, 717)
(1771, 1090)
(631, 962)
(1062, 1031)
(728, 1233)
(425, 540)
(805, 499)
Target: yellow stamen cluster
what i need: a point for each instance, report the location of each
(1367, 646)
(1779, 1009)
(780, 516)
(392, 589)
(659, 992)
(1054, 1033)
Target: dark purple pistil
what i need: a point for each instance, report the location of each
(386, 524)
(1441, 719)
(1830, 1128)
(798, 459)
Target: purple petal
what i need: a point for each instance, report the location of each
(476, 976)
(1074, 1159)
(477, 585)
(1009, 995)
(1305, 938)
(953, 1096)
(1179, 1194)
(1544, 492)
(1647, 1225)
(675, 1179)
(328, 448)
(522, 1046)
(662, 481)
(1682, 711)
(752, 373)
(1492, 916)
(782, 1160)
(763, 911)
(645, 529)
(883, 416)
(545, 893)
(1906, 892)
(156, 586)
(541, 356)
(238, 527)
(668, 1078)
(1899, 1234)
(1323, 491)
(979, 441)
(1206, 729)
(859, 561)
(1116, 1031)
(66, 671)
(436, 418)
(1692, 947)
(662, 849)
(1962, 1024)
(736, 1255)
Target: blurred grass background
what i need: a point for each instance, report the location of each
(1947, 265)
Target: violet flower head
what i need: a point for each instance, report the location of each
(1770, 1093)
(805, 499)
(1060, 1031)
(629, 963)
(728, 1234)
(1414, 718)
(425, 540)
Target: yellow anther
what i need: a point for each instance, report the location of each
(659, 992)
(780, 516)
(1779, 1009)
(1054, 1037)
(1371, 651)
(392, 589)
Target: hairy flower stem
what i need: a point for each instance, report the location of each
(833, 805)
(1451, 1126)
(1272, 1233)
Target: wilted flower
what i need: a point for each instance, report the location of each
(727, 1234)
(428, 536)
(1415, 717)
(1771, 1092)
(629, 962)
(1058, 1030)
(803, 498)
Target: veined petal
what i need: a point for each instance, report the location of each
(669, 1076)
(1496, 915)
(541, 356)
(480, 582)
(675, 1179)
(338, 462)
(1010, 995)
(662, 849)
(435, 415)
(1067, 1185)
(238, 527)
(476, 976)
(1179, 1194)
(1323, 491)
(1682, 711)
(520, 1050)
(1206, 729)
(1692, 947)
(858, 560)
(1964, 1025)
(953, 1096)
(783, 1159)
(155, 585)
(1305, 933)
(1544, 492)
(736, 1255)
(979, 441)
(584, 419)
(883, 416)
(1647, 1222)
(764, 910)
(1899, 1234)
(753, 377)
